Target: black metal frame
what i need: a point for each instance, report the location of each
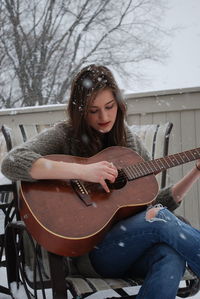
(16, 265)
(165, 152)
(6, 206)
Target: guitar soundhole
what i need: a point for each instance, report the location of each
(120, 181)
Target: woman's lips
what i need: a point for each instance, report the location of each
(104, 124)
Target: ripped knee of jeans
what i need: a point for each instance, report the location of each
(152, 213)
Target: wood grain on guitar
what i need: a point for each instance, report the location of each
(69, 217)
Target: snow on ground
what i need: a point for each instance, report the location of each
(100, 295)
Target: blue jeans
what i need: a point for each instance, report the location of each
(156, 250)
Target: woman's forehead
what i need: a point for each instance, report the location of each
(103, 97)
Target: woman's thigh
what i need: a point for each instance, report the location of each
(124, 244)
(127, 241)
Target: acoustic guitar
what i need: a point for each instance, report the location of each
(70, 217)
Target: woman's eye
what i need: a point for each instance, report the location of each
(110, 107)
(93, 111)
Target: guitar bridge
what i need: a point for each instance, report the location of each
(81, 191)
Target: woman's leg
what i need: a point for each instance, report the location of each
(128, 240)
(162, 268)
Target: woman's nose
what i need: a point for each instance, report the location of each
(103, 115)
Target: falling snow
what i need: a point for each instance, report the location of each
(87, 83)
(94, 204)
(122, 227)
(183, 236)
(121, 244)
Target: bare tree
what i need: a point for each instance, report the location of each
(44, 43)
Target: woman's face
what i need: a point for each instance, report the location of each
(102, 111)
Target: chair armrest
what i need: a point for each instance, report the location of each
(4, 181)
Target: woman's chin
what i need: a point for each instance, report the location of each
(103, 131)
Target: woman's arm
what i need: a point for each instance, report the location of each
(180, 189)
(98, 172)
(17, 163)
(172, 196)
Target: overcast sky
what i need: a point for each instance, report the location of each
(182, 69)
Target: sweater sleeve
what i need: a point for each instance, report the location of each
(164, 196)
(166, 199)
(17, 163)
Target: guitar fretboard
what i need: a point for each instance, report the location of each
(155, 166)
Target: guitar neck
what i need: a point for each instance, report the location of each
(155, 166)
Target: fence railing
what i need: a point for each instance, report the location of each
(181, 107)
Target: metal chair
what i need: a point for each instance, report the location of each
(36, 270)
(7, 214)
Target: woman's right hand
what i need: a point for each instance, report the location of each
(94, 172)
(98, 173)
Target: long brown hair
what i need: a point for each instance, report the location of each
(85, 86)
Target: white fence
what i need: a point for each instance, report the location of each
(181, 107)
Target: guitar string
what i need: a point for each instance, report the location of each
(178, 159)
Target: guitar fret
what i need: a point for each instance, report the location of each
(193, 155)
(163, 165)
(142, 168)
(146, 168)
(173, 160)
(181, 157)
(132, 171)
(184, 155)
(169, 165)
(157, 162)
(128, 172)
(137, 174)
(138, 169)
(155, 166)
(176, 160)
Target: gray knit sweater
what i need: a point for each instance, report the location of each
(58, 140)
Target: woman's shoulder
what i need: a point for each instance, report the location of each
(135, 142)
(62, 127)
(131, 136)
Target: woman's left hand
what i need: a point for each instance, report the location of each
(198, 165)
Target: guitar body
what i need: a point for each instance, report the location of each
(65, 221)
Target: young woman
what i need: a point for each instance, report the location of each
(153, 244)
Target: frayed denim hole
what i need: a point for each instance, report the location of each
(159, 216)
(162, 215)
